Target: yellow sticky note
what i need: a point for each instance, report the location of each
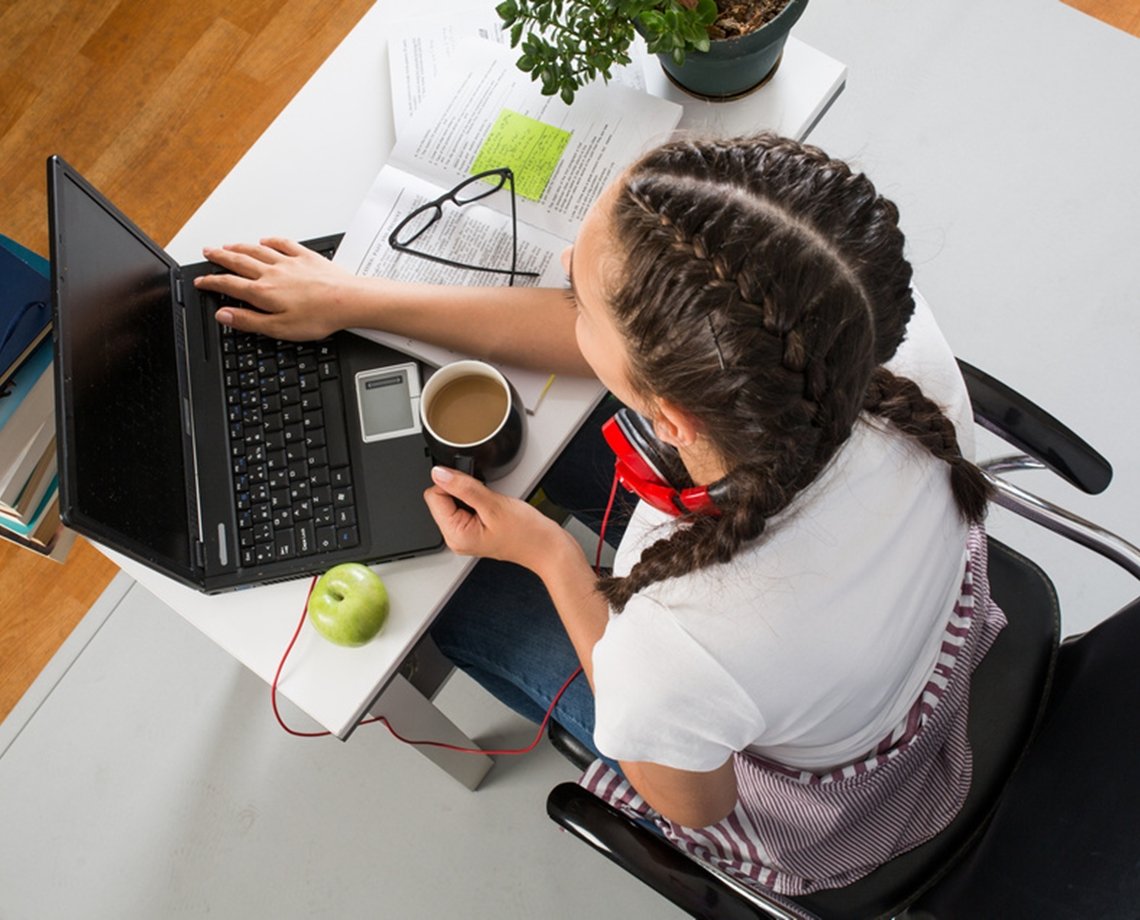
(531, 148)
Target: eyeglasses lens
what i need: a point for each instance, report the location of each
(416, 224)
(479, 187)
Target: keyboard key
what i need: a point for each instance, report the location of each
(284, 545)
(318, 456)
(306, 539)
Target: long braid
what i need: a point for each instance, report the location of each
(903, 404)
(763, 284)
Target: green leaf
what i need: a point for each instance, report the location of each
(567, 93)
(507, 11)
(678, 56)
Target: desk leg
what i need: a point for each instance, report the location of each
(413, 716)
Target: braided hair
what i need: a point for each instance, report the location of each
(763, 287)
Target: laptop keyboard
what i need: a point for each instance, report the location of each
(288, 448)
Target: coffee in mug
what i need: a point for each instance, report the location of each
(468, 409)
(473, 419)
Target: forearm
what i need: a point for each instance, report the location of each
(524, 327)
(571, 583)
(694, 799)
(286, 291)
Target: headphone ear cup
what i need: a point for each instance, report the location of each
(663, 458)
(653, 470)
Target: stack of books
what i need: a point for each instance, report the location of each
(29, 485)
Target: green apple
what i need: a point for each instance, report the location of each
(349, 604)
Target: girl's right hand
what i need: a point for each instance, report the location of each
(294, 293)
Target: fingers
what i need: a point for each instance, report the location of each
(463, 509)
(246, 259)
(234, 286)
(245, 320)
(286, 246)
(466, 489)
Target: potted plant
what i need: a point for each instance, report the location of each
(715, 49)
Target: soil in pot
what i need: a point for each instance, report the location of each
(739, 17)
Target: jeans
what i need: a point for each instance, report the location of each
(501, 627)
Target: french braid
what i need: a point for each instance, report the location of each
(763, 285)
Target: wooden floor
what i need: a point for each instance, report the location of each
(154, 100)
(1124, 14)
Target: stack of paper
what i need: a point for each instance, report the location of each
(29, 494)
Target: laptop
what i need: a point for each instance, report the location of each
(219, 458)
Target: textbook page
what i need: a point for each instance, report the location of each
(474, 234)
(484, 112)
(416, 57)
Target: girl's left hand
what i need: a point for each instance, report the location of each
(496, 527)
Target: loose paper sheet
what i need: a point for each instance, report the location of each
(415, 59)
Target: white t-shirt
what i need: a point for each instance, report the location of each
(811, 644)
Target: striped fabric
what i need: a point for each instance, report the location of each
(794, 832)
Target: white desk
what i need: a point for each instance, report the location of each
(303, 178)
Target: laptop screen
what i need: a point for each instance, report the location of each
(123, 477)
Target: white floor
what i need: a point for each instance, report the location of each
(144, 777)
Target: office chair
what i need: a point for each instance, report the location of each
(1049, 828)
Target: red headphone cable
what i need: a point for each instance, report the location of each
(439, 744)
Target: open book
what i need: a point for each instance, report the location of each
(482, 112)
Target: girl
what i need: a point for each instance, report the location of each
(780, 682)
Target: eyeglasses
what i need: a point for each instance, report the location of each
(470, 190)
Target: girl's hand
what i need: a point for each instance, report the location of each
(496, 526)
(297, 293)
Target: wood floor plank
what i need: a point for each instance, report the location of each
(1123, 14)
(156, 101)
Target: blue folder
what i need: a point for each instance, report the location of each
(25, 303)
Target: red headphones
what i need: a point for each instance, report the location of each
(647, 468)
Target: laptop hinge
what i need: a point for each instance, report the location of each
(200, 554)
(178, 290)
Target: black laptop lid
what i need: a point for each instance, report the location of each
(119, 399)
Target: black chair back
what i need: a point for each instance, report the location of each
(1064, 840)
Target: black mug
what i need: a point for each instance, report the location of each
(473, 419)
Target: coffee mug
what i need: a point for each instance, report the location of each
(473, 419)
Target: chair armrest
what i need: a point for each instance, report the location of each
(1027, 426)
(653, 860)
